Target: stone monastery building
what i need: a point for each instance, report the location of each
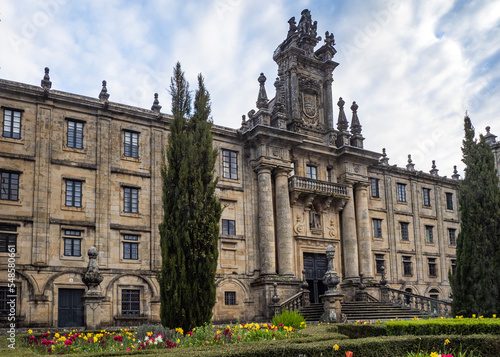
(78, 172)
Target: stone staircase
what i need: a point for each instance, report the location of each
(312, 313)
(372, 311)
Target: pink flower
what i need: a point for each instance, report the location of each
(207, 342)
(239, 337)
(128, 349)
(118, 338)
(68, 342)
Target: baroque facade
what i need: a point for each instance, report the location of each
(79, 172)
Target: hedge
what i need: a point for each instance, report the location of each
(442, 327)
(359, 331)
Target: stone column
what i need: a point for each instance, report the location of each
(328, 103)
(363, 230)
(349, 239)
(266, 221)
(284, 237)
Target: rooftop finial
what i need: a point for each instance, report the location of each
(384, 160)
(103, 96)
(262, 101)
(455, 175)
(329, 39)
(489, 137)
(156, 104)
(355, 125)
(434, 170)
(293, 26)
(46, 83)
(342, 123)
(410, 166)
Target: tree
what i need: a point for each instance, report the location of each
(190, 227)
(475, 284)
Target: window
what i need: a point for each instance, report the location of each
(312, 172)
(427, 197)
(230, 298)
(429, 237)
(449, 201)
(9, 187)
(401, 192)
(451, 234)
(130, 200)
(380, 263)
(11, 124)
(434, 294)
(73, 193)
(432, 267)
(230, 164)
(131, 144)
(72, 246)
(407, 266)
(130, 249)
(377, 228)
(329, 176)
(131, 305)
(453, 266)
(8, 237)
(375, 189)
(228, 227)
(75, 134)
(404, 230)
(6, 295)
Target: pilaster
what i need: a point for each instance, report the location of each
(349, 238)
(266, 221)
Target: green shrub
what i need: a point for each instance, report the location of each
(361, 331)
(290, 318)
(167, 333)
(443, 327)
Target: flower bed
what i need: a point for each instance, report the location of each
(126, 340)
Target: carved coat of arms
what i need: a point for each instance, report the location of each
(309, 105)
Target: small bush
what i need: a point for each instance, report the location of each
(290, 318)
(361, 331)
(443, 327)
(168, 334)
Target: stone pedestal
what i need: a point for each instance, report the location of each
(332, 306)
(92, 311)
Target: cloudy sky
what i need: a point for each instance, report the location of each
(413, 67)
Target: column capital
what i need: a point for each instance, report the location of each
(263, 168)
(282, 170)
(361, 186)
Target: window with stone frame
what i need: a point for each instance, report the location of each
(229, 164)
(429, 235)
(404, 231)
(432, 267)
(453, 266)
(9, 186)
(452, 235)
(312, 172)
(72, 242)
(427, 197)
(6, 295)
(131, 144)
(12, 123)
(401, 192)
(130, 247)
(407, 266)
(329, 174)
(230, 298)
(73, 193)
(8, 237)
(375, 187)
(377, 228)
(131, 302)
(228, 227)
(449, 201)
(74, 136)
(130, 200)
(379, 263)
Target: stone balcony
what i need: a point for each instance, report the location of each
(322, 188)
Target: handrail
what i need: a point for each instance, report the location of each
(304, 183)
(422, 303)
(293, 303)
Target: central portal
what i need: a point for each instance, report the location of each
(315, 266)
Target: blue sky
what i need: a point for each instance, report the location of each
(413, 67)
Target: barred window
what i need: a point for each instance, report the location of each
(131, 302)
(228, 227)
(401, 192)
(8, 237)
(452, 235)
(131, 144)
(11, 124)
(229, 164)
(404, 231)
(75, 134)
(130, 200)
(427, 197)
(377, 228)
(9, 186)
(6, 295)
(73, 193)
(230, 298)
(375, 187)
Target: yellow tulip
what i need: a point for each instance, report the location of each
(336, 347)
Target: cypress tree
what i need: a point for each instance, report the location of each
(475, 284)
(190, 228)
